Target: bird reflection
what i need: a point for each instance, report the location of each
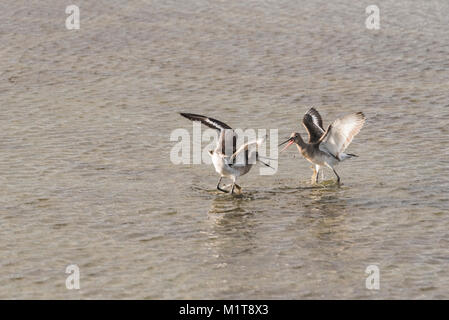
(231, 227)
(326, 210)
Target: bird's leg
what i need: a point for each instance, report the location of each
(338, 177)
(314, 178)
(317, 169)
(218, 186)
(233, 186)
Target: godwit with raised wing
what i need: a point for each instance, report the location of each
(224, 161)
(326, 148)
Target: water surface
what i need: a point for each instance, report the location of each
(85, 175)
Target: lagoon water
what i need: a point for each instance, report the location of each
(86, 178)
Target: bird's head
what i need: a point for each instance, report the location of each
(294, 138)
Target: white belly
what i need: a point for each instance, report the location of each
(323, 159)
(221, 167)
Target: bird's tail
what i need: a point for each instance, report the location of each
(352, 155)
(343, 156)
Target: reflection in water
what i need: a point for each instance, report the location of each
(229, 218)
(324, 210)
(326, 201)
(231, 228)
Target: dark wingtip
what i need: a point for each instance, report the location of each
(185, 115)
(312, 110)
(361, 114)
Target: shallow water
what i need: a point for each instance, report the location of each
(86, 118)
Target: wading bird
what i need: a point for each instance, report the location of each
(326, 148)
(225, 162)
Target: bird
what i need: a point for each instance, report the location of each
(226, 164)
(325, 148)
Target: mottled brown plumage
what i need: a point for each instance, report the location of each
(329, 149)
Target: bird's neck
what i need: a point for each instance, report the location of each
(300, 143)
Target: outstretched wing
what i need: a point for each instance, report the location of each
(245, 148)
(340, 133)
(210, 122)
(227, 140)
(313, 123)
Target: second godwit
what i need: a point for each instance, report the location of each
(326, 148)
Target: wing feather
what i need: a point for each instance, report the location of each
(207, 121)
(313, 123)
(227, 140)
(245, 147)
(340, 133)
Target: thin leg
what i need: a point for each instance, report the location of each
(218, 186)
(233, 186)
(338, 177)
(317, 168)
(314, 175)
(230, 185)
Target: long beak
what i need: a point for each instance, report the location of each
(290, 142)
